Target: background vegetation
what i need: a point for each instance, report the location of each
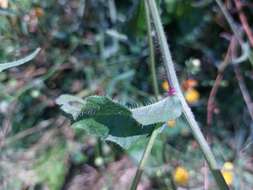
(100, 47)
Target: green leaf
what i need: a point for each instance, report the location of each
(51, 167)
(162, 111)
(71, 105)
(155, 157)
(170, 6)
(108, 116)
(181, 128)
(92, 127)
(4, 66)
(102, 117)
(126, 142)
(137, 24)
(101, 106)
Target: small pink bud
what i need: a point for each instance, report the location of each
(171, 91)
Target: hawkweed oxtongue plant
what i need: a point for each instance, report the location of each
(108, 120)
(171, 74)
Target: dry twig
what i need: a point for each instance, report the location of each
(244, 21)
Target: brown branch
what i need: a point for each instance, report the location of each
(219, 77)
(244, 21)
(211, 99)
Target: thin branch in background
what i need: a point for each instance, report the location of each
(244, 21)
(241, 82)
(214, 90)
(211, 100)
(246, 53)
(210, 108)
(240, 79)
(244, 90)
(247, 4)
(211, 103)
(230, 21)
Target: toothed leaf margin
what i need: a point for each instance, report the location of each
(102, 117)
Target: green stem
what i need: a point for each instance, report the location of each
(144, 158)
(155, 86)
(172, 77)
(151, 52)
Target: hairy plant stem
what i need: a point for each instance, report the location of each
(144, 158)
(151, 52)
(171, 73)
(156, 91)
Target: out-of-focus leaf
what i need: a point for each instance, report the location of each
(170, 6)
(8, 65)
(137, 24)
(181, 127)
(155, 158)
(7, 12)
(124, 76)
(51, 168)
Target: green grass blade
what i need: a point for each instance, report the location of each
(26, 59)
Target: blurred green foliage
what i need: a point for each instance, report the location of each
(100, 47)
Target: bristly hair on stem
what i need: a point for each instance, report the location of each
(156, 131)
(171, 74)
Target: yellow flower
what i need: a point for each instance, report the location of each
(227, 172)
(192, 96)
(181, 176)
(228, 177)
(165, 85)
(171, 123)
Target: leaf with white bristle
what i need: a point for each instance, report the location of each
(161, 111)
